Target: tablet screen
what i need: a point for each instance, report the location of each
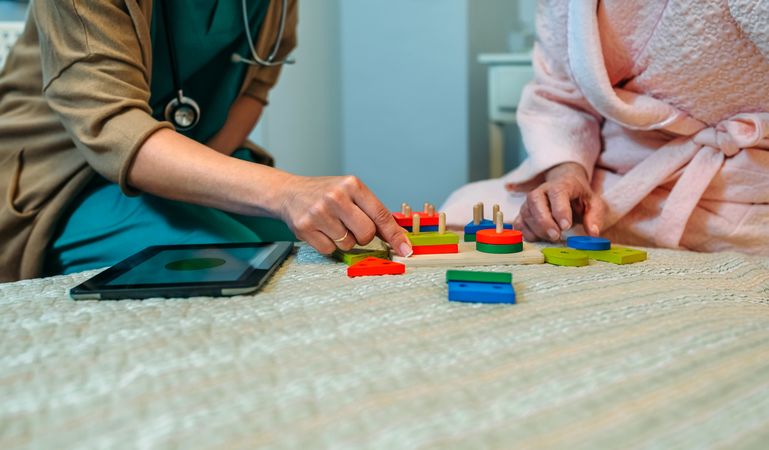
(202, 265)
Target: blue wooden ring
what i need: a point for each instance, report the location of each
(588, 243)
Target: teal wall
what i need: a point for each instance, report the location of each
(405, 103)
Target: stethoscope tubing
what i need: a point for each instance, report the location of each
(180, 101)
(270, 61)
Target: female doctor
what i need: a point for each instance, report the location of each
(124, 124)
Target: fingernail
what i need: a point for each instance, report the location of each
(565, 224)
(594, 229)
(406, 250)
(554, 235)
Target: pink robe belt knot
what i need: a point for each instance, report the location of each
(694, 160)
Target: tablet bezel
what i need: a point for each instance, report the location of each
(96, 287)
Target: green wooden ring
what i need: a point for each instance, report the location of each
(499, 249)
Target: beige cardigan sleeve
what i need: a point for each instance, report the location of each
(96, 78)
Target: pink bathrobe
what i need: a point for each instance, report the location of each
(665, 103)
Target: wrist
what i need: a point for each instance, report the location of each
(566, 169)
(273, 193)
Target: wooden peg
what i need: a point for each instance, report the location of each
(477, 214)
(407, 211)
(494, 211)
(442, 223)
(415, 227)
(403, 208)
(426, 208)
(499, 220)
(483, 213)
(431, 210)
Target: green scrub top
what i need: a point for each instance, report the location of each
(205, 33)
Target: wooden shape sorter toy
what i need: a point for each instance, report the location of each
(429, 253)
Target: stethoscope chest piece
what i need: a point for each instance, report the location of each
(183, 112)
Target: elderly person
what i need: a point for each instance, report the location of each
(648, 122)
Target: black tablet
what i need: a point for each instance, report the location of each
(187, 271)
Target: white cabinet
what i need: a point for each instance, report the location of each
(508, 74)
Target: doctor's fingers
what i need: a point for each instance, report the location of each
(361, 226)
(327, 222)
(318, 240)
(338, 215)
(383, 220)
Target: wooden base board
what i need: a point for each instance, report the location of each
(469, 256)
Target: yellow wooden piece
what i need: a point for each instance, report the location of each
(565, 257)
(422, 239)
(617, 255)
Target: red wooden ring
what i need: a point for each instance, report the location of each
(424, 219)
(506, 237)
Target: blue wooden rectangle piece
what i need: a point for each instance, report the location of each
(423, 229)
(485, 224)
(462, 291)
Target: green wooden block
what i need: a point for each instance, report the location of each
(357, 255)
(469, 237)
(422, 239)
(618, 255)
(479, 277)
(499, 249)
(565, 257)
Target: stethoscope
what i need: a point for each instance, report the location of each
(184, 112)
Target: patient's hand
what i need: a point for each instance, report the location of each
(563, 199)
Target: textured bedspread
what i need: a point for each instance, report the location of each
(670, 353)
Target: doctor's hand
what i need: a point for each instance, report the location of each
(331, 212)
(563, 199)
